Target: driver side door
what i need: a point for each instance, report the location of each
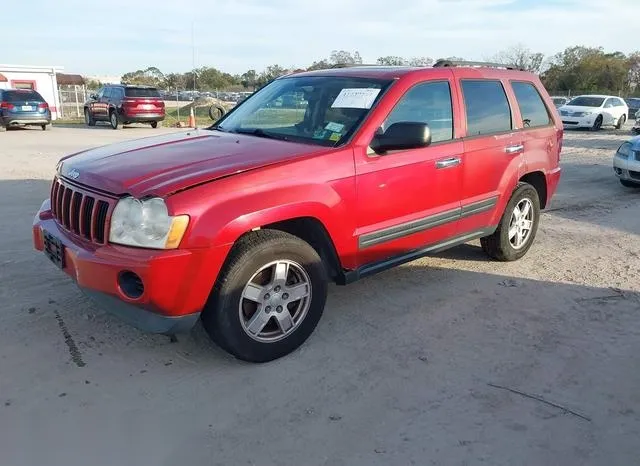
(410, 199)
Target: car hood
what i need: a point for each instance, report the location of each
(168, 163)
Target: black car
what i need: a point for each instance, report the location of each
(23, 107)
(634, 105)
(123, 104)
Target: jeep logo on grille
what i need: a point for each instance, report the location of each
(73, 174)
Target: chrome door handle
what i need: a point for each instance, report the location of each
(515, 149)
(446, 163)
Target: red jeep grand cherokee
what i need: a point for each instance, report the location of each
(321, 176)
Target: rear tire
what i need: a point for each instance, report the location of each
(503, 244)
(44, 127)
(154, 124)
(621, 121)
(88, 118)
(597, 125)
(272, 323)
(113, 120)
(629, 184)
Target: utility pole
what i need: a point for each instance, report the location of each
(193, 52)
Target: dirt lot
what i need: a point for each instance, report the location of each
(404, 368)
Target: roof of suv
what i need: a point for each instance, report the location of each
(392, 72)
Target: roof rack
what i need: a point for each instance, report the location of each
(353, 65)
(483, 64)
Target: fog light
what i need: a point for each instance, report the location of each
(130, 284)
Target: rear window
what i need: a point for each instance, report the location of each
(487, 107)
(20, 96)
(534, 112)
(141, 92)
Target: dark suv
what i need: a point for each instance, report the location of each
(124, 104)
(23, 107)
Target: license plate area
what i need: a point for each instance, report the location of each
(27, 108)
(53, 249)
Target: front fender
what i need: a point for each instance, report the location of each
(240, 209)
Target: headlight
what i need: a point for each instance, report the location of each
(146, 224)
(625, 150)
(587, 113)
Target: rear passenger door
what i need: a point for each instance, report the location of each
(493, 153)
(539, 134)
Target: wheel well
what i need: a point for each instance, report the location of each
(312, 231)
(539, 182)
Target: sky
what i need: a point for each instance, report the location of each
(110, 38)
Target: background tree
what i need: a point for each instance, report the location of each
(588, 70)
(392, 60)
(151, 76)
(272, 72)
(249, 79)
(520, 57)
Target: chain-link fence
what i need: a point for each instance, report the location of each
(178, 103)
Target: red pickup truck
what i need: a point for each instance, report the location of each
(320, 176)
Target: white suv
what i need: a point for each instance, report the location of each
(594, 111)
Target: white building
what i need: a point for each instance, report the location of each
(39, 78)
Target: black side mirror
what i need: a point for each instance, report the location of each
(403, 135)
(93, 96)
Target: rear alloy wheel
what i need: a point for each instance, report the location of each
(517, 228)
(621, 121)
(269, 297)
(113, 119)
(154, 124)
(88, 118)
(597, 125)
(629, 184)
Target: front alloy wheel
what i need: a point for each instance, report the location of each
(275, 300)
(268, 298)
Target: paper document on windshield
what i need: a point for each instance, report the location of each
(356, 98)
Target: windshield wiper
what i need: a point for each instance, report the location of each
(259, 132)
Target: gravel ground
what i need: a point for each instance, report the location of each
(408, 367)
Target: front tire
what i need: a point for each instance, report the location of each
(113, 120)
(621, 121)
(44, 127)
(517, 228)
(597, 125)
(268, 298)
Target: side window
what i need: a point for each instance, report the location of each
(619, 103)
(608, 103)
(107, 93)
(488, 110)
(101, 93)
(117, 93)
(533, 110)
(430, 103)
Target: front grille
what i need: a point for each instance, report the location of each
(79, 212)
(634, 175)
